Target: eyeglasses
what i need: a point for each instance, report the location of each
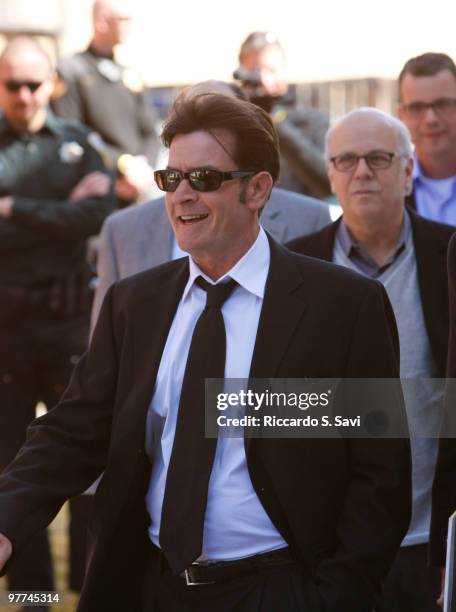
(15, 86)
(441, 106)
(376, 160)
(201, 179)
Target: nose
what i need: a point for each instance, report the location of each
(362, 169)
(430, 116)
(24, 93)
(184, 193)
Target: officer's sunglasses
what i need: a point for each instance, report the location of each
(15, 86)
(201, 179)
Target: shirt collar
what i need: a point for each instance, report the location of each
(99, 54)
(417, 172)
(250, 272)
(50, 125)
(349, 244)
(432, 195)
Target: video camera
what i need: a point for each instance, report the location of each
(250, 81)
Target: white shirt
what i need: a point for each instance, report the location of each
(176, 251)
(236, 524)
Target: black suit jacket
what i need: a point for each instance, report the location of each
(430, 241)
(452, 292)
(343, 505)
(444, 491)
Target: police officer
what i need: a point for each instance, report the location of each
(110, 99)
(54, 193)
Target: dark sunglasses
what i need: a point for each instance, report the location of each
(201, 179)
(15, 86)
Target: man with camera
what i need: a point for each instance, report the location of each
(301, 130)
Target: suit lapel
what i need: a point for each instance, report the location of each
(319, 245)
(280, 314)
(150, 314)
(275, 328)
(151, 318)
(430, 254)
(410, 200)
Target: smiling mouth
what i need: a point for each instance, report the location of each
(186, 219)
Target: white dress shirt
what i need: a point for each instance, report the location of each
(236, 524)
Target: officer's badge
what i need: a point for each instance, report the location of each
(70, 152)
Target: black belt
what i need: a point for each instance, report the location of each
(210, 572)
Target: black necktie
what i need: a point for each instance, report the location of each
(184, 503)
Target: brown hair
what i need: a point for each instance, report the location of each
(256, 143)
(427, 64)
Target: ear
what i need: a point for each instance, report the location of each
(330, 172)
(400, 112)
(53, 86)
(258, 190)
(409, 176)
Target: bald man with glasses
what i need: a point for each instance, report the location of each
(370, 167)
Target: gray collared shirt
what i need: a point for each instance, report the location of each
(361, 258)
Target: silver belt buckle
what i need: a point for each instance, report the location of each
(190, 582)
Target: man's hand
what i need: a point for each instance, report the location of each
(91, 185)
(442, 591)
(6, 206)
(6, 550)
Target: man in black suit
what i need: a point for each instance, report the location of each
(369, 161)
(253, 525)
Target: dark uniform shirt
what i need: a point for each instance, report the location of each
(45, 238)
(109, 99)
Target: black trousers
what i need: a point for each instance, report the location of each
(276, 589)
(411, 586)
(37, 356)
